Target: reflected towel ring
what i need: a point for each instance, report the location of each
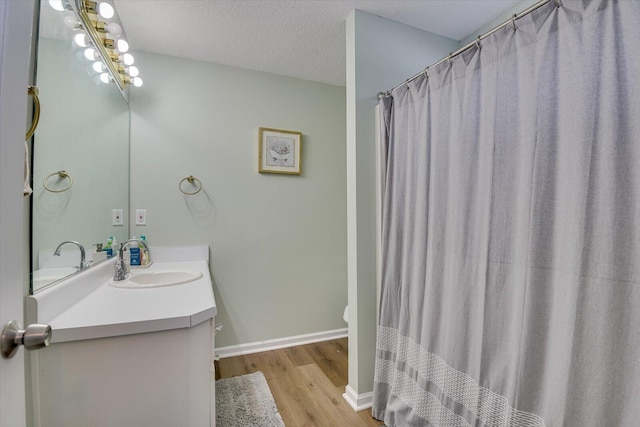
(33, 91)
(192, 180)
(61, 175)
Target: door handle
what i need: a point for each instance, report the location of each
(34, 337)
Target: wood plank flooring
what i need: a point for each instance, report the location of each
(307, 383)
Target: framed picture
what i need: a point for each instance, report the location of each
(279, 151)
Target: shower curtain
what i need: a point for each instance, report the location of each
(511, 229)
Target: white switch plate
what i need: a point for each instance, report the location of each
(116, 215)
(141, 217)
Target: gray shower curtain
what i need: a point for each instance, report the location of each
(511, 229)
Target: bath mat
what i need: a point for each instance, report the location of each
(246, 401)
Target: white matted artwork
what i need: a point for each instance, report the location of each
(279, 151)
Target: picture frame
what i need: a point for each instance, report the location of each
(279, 151)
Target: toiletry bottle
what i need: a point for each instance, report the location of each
(134, 254)
(144, 255)
(108, 247)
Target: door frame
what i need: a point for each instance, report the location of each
(16, 29)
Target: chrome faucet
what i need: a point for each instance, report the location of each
(83, 264)
(121, 268)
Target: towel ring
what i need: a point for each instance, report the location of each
(191, 179)
(33, 91)
(61, 175)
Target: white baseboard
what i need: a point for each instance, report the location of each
(257, 347)
(358, 401)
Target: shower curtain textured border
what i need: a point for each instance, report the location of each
(476, 42)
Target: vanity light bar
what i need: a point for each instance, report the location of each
(109, 49)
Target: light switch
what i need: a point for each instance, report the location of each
(116, 215)
(141, 217)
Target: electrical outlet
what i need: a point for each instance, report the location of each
(141, 217)
(117, 218)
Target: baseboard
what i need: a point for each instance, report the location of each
(358, 401)
(257, 347)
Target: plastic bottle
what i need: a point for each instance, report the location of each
(134, 254)
(144, 254)
(108, 248)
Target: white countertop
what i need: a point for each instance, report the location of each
(85, 306)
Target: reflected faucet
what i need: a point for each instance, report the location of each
(83, 264)
(121, 268)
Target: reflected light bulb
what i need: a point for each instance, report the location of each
(105, 10)
(81, 40)
(127, 59)
(57, 5)
(91, 54)
(104, 78)
(122, 45)
(98, 67)
(133, 71)
(71, 22)
(114, 29)
(137, 81)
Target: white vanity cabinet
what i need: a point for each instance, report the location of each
(162, 378)
(126, 357)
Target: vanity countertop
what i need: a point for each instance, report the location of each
(85, 306)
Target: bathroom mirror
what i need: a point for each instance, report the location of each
(80, 151)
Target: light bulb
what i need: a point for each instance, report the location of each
(105, 10)
(98, 67)
(81, 40)
(91, 54)
(71, 22)
(104, 78)
(127, 59)
(114, 29)
(57, 5)
(133, 71)
(122, 45)
(137, 81)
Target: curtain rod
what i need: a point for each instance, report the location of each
(476, 42)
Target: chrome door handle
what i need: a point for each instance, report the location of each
(34, 337)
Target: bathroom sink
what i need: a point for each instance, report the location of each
(157, 278)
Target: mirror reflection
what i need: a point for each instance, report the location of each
(80, 157)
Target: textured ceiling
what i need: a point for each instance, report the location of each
(297, 38)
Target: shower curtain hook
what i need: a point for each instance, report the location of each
(558, 4)
(406, 83)
(513, 21)
(449, 57)
(478, 44)
(426, 72)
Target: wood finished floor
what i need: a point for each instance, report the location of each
(307, 383)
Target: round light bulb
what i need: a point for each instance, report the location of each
(71, 22)
(106, 10)
(122, 45)
(114, 29)
(127, 59)
(133, 71)
(104, 78)
(137, 81)
(81, 40)
(57, 5)
(98, 67)
(91, 54)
